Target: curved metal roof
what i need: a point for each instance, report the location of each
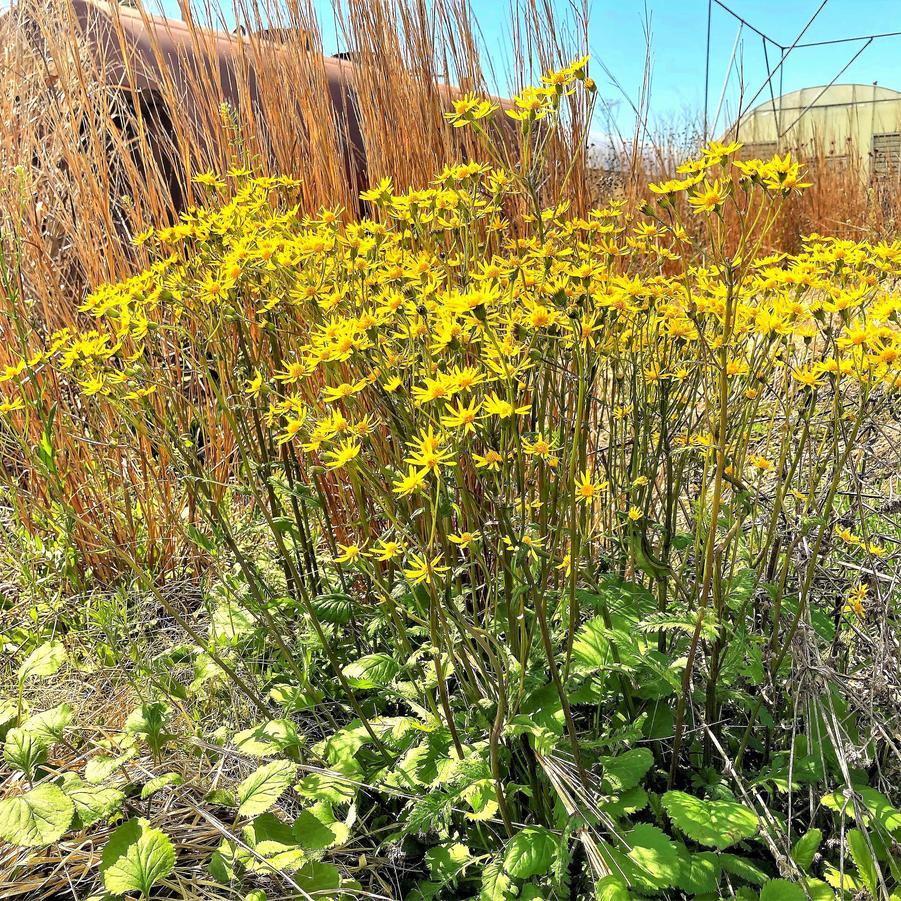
(828, 95)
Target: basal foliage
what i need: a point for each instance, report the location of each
(541, 513)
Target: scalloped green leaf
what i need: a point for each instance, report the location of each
(100, 768)
(335, 608)
(863, 859)
(806, 847)
(782, 890)
(37, 818)
(261, 789)
(611, 888)
(371, 671)
(43, 661)
(229, 623)
(698, 873)
(743, 868)
(654, 854)
(136, 857)
(24, 750)
(531, 852)
(496, 884)
(313, 833)
(446, 862)
(92, 802)
(717, 824)
(877, 805)
(272, 737)
(152, 786)
(626, 771)
(50, 725)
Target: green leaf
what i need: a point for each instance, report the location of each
(294, 699)
(50, 725)
(312, 834)
(819, 890)
(530, 852)
(591, 649)
(334, 608)
(717, 824)
(743, 868)
(782, 890)
(149, 722)
(92, 802)
(318, 878)
(698, 873)
(496, 884)
(544, 708)
(100, 768)
(9, 715)
(863, 859)
(806, 847)
(446, 862)
(260, 790)
(136, 857)
(371, 671)
(625, 771)
(876, 804)
(43, 661)
(656, 856)
(38, 817)
(627, 803)
(152, 786)
(336, 787)
(24, 750)
(267, 739)
(611, 888)
(229, 623)
(274, 840)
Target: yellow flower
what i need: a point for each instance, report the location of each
(495, 406)
(760, 462)
(254, 385)
(634, 514)
(462, 416)
(807, 376)
(421, 569)
(349, 553)
(341, 456)
(428, 452)
(208, 179)
(381, 193)
(293, 372)
(531, 543)
(410, 482)
(464, 539)
(468, 109)
(292, 427)
(492, 460)
(856, 597)
(586, 489)
(537, 448)
(342, 391)
(384, 551)
(708, 198)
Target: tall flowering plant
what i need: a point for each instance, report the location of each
(529, 498)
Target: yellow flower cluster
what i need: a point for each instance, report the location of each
(429, 358)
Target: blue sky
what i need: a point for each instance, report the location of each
(678, 33)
